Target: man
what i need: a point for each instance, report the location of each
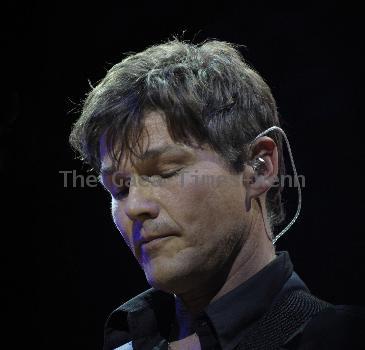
(172, 131)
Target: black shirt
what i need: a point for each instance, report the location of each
(144, 322)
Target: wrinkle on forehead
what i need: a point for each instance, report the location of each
(111, 153)
(154, 133)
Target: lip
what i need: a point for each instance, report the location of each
(154, 242)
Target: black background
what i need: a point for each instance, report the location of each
(66, 265)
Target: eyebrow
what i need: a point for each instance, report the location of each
(151, 153)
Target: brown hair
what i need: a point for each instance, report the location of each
(207, 93)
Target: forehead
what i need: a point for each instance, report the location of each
(155, 139)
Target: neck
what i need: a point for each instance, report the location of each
(256, 252)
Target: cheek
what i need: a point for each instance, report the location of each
(120, 222)
(208, 207)
(115, 213)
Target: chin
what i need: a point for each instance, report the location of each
(161, 277)
(170, 277)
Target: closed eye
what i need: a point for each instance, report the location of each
(170, 174)
(123, 192)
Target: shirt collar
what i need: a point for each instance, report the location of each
(231, 314)
(149, 315)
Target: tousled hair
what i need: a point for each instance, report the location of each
(207, 94)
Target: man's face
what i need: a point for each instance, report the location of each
(183, 214)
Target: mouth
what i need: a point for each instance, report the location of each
(155, 242)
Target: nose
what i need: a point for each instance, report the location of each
(140, 204)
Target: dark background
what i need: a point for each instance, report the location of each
(66, 266)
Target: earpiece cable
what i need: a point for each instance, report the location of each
(296, 181)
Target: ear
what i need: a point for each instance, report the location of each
(259, 181)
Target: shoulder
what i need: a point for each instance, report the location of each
(336, 327)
